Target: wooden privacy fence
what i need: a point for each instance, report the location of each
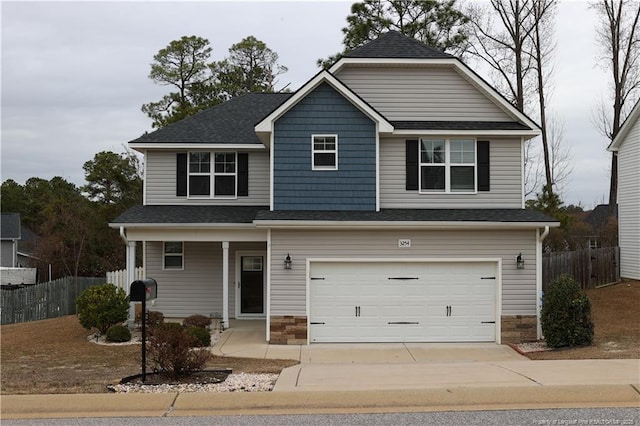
(590, 267)
(119, 278)
(42, 301)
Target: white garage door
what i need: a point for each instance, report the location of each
(402, 302)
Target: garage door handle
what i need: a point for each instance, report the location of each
(487, 278)
(487, 322)
(403, 322)
(403, 278)
(317, 323)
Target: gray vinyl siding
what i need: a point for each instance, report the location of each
(160, 181)
(629, 204)
(288, 287)
(198, 288)
(505, 179)
(7, 251)
(420, 93)
(353, 185)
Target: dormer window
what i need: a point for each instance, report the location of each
(324, 152)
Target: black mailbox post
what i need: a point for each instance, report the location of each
(141, 291)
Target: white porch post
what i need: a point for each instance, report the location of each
(225, 284)
(131, 275)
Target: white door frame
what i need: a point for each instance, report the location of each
(496, 260)
(238, 275)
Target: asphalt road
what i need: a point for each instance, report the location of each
(581, 416)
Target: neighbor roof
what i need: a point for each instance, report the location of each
(394, 44)
(10, 226)
(228, 123)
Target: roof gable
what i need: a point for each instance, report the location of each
(394, 44)
(631, 120)
(265, 125)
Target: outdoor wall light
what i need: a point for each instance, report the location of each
(520, 261)
(287, 262)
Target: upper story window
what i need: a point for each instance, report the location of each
(222, 177)
(447, 165)
(173, 255)
(324, 152)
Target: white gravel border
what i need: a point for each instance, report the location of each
(240, 382)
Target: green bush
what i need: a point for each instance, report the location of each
(101, 306)
(202, 335)
(197, 321)
(118, 333)
(170, 351)
(566, 314)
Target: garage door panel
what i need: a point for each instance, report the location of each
(402, 301)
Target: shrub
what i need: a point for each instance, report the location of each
(202, 335)
(566, 314)
(118, 333)
(102, 306)
(170, 351)
(197, 321)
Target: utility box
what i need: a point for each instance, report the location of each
(143, 290)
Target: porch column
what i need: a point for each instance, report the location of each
(131, 275)
(225, 284)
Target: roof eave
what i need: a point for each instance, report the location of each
(328, 224)
(615, 144)
(165, 225)
(141, 146)
(527, 134)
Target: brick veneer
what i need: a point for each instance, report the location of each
(519, 328)
(288, 330)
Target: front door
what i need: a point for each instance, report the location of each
(252, 285)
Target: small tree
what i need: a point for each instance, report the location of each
(566, 314)
(101, 306)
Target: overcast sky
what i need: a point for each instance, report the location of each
(74, 75)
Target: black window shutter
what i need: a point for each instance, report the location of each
(243, 174)
(483, 166)
(181, 174)
(411, 165)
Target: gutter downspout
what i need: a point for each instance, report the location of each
(540, 238)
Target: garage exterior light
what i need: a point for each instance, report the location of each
(520, 261)
(287, 262)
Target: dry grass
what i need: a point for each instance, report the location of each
(616, 315)
(54, 356)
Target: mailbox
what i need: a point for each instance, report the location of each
(142, 290)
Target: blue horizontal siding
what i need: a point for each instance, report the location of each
(296, 185)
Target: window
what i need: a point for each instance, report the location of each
(173, 255)
(447, 165)
(324, 152)
(222, 179)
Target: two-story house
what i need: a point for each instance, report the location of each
(383, 201)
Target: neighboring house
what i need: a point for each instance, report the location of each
(626, 145)
(9, 237)
(381, 202)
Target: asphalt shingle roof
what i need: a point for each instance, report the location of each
(247, 214)
(394, 44)
(458, 125)
(189, 214)
(230, 122)
(10, 226)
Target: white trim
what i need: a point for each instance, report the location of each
(539, 239)
(334, 151)
(144, 179)
(266, 125)
(377, 168)
(633, 116)
(271, 166)
(311, 224)
(189, 146)
(462, 69)
(496, 260)
(522, 171)
(265, 279)
(268, 285)
(225, 285)
(164, 254)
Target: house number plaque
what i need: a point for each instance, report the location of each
(404, 243)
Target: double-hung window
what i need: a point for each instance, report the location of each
(324, 154)
(222, 177)
(173, 255)
(447, 165)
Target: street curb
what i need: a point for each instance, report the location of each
(373, 401)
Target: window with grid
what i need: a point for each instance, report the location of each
(222, 177)
(173, 255)
(447, 165)
(324, 152)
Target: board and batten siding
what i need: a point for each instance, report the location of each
(288, 287)
(505, 179)
(197, 289)
(629, 204)
(353, 185)
(160, 181)
(421, 93)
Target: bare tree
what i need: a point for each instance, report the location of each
(559, 154)
(618, 37)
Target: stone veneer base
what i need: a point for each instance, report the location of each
(519, 328)
(288, 330)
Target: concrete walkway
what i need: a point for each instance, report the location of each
(369, 378)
